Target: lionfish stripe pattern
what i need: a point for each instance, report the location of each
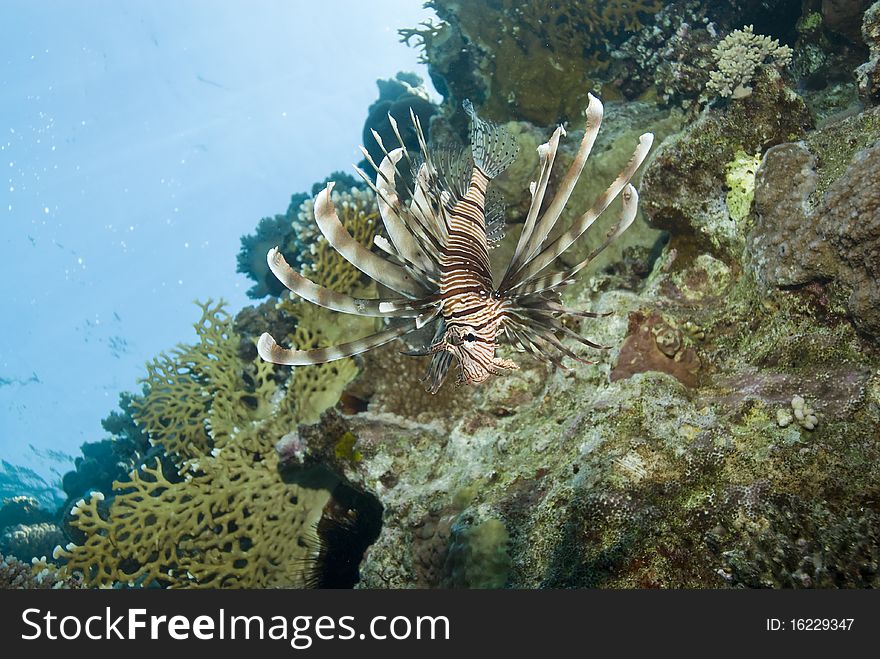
(439, 223)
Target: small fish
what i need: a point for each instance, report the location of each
(436, 254)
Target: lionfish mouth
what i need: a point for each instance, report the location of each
(438, 229)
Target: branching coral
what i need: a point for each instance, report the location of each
(738, 56)
(14, 574)
(230, 523)
(183, 385)
(226, 518)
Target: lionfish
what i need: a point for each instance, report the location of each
(439, 223)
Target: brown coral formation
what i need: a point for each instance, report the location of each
(654, 345)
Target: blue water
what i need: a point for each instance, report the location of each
(138, 141)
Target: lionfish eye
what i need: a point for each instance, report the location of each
(469, 337)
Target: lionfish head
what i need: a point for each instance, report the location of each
(474, 352)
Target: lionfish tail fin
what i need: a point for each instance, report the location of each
(494, 148)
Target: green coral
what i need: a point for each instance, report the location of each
(740, 179)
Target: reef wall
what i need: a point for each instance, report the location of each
(728, 438)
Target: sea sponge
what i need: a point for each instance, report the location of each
(738, 56)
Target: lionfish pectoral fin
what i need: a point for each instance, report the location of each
(270, 351)
(493, 148)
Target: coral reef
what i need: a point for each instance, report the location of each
(14, 574)
(728, 437)
(640, 480)
(27, 541)
(504, 55)
(22, 510)
(215, 509)
(684, 187)
(271, 232)
(674, 55)
(738, 57)
(398, 97)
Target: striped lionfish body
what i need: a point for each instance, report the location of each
(436, 254)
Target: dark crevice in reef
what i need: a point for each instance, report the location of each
(350, 523)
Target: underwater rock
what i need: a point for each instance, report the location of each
(868, 74)
(800, 235)
(477, 554)
(844, 17)
(784, 249)
(683, 188)
(836, 393)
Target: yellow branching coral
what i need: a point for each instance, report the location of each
(230, 523)
(226, 518)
